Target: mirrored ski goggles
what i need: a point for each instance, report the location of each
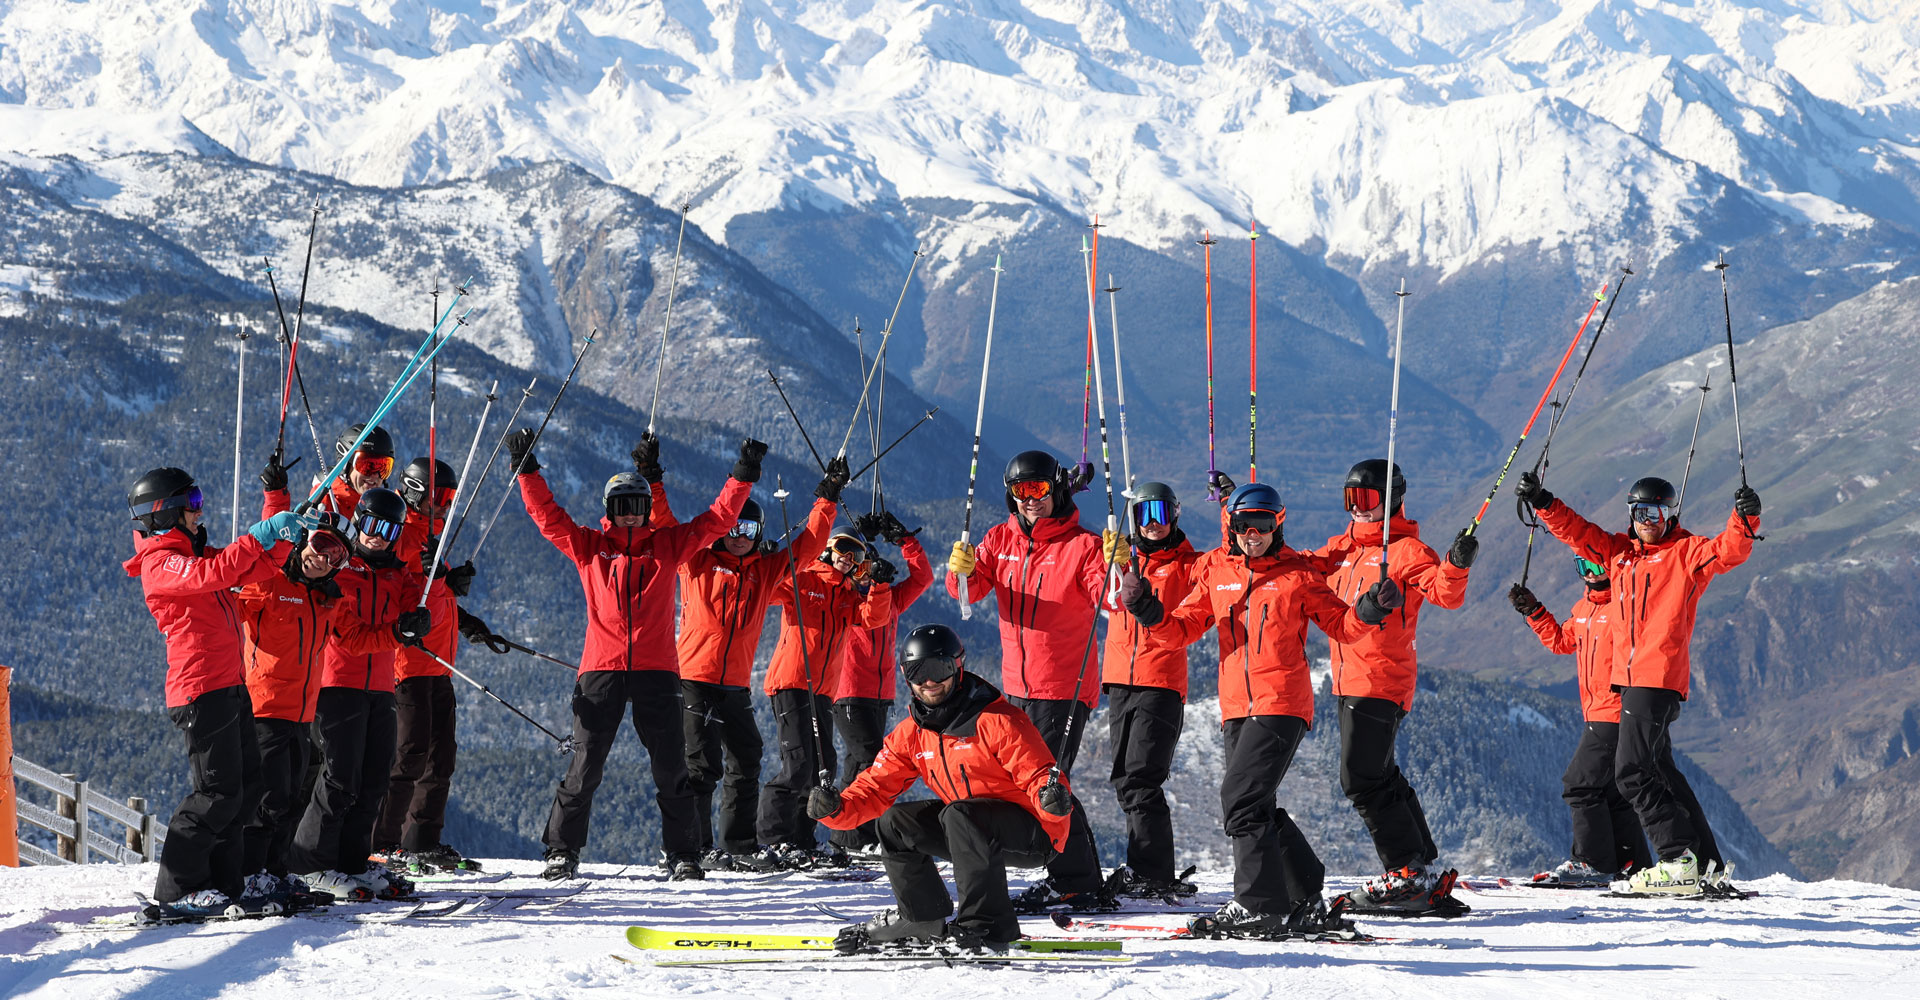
(190, 500)
(367, 524)
(745, 529)
(1260, 522)
(1364, 498)
(849, 546)
(1649, 513)
(328, 546)
(1031, 489)
(443, 495)
(628, 505)
(372, 466)
(1153, 512)
(930, 669)
(1589, 568)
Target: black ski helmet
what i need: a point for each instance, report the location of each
(628, 484)
(1032, 466)
(1153, 491)
(383, 505)
(378, 443)
(413, 481)
(750, 511)
(147, 499)
(1372, 475)
(932, 653)
(1653, 489)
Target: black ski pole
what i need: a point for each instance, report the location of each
(903, 436)
(775, 379)
(530, 651)
(1706, 386)
(1733, 380)
(566, 744)
(512, 480)
(885, 335)
(800, 624)
(473, 495)
(293, 375)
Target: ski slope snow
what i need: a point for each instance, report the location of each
(1793, 940)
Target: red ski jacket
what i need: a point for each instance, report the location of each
(867, 669)
(831, 605)
(1050, 582)
(1262, 606)
(628, 574)
(1130, 658)
(288, 627)
(1656, 590)
(189, 597)
(724, 598)
(994, 753)
(1381, 663)
(442, 640)
(376, 594)
(1585, 635)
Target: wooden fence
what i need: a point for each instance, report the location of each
(132, 836)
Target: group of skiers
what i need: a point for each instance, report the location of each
(322, 630)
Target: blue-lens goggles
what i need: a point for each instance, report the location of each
(1153, 512)
(745, 529)
(367, 524)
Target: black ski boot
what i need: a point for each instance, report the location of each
(1125, 883)
(1236, 921)
(1042, 897)
(685, 868)
(441, 858)
(888, 929)
(562, 864)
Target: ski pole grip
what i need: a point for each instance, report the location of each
(966, 602)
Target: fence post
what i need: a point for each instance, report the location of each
(136, 835)
(62, 845)
(9, 819)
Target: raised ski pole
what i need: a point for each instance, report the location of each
(1733, 379)
(1206, 244)
(885, 334)
(1106, 453)
(924, 417)
(775, 379)
(239, 410)
(433, 438)
(538, 655)
(979, 415)
(299, 325)
(293, 376)
(460, 485)
(1706, 386)
(1120, 390)
(1253, 351)
(1526, 513)
(473, 493)
(800, 626)
(673, 285)
(513, 478)
(1537, 407)
(1083, 473)
(566, 744)
(1393, 427)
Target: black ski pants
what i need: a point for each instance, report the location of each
(1370, 775)
(206, 839)
(283, 772)
(600, 700)
(416, 810)
(862, 723)
(1643, 765)
(803, 755)
(1061, 723)
(1144, 724)
(719, 722)
(1273, 865)
(356, 753)
(1606, 833)
(981, 837)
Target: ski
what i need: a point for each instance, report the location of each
(1159, 932)
(836, 961)
(723, 939)
(1447, 908)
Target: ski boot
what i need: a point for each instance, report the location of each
(1315, 919)
(1042, 897)
(718, 860)
(1236, 921)
(562, 864)
(193, 908)
(1408, 892)
(781, 858)
(388, 884)
(340, 885)
(970, 942)
(889, 929)
(265, 893)
(829, 857)
(1574, 874)
(1678, 877)
(685, 868)
(1126, 883)
(301, 896)
(1716, 880)
(440, 858)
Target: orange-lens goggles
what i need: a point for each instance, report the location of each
(1031, 489)
(373, 466)
(1257, 521)
(849, 546)
(1363, 498)
(443, 496)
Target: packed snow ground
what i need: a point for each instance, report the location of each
(1793, 940)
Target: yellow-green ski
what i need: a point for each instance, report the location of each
(713, 939)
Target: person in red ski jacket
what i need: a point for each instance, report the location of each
(1373, 678)
(864, 694)
(801, 679)
(1049, 576)
(1259, 596)
(187, 585)
(354, 715)
(1000, 802)
(1659, 572)
(627, 569)
(1146, 689)
(370, 468)
(1606, 833)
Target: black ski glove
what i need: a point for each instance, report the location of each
(881, 571)
(1139, 599)
(1530, 489)
(1220, 483)
(1378, 602)
(273, 475)
(868, 525)
(1746, 502)
(474, 630)
(1465, 548)
(747, 467)
(646, 458)
(895, 532)
(838, 473)
(1079, 478)
(1523, 600)
(412, 627)
(520, 451)
(460, 578)
(822, 802)
(1054, 797)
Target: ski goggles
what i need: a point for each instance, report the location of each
(930, 669)
(328, 546)
(745, 529)
(1260, 522)
(1364, 498)
(1153, 512)
(1031, 489)
(849, 546)
(377, 527)
(1589, 568)
(190, 500)
(443, 495)
(628, 505)
(372, 466)
(1649, 513)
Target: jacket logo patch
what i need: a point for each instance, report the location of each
(284, 599)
